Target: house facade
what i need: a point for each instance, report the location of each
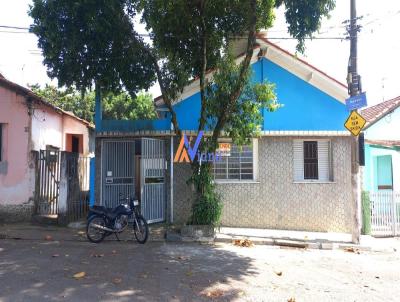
(382, 147)
(296, 175)
(28, 124)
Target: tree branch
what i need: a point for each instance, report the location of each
(222, 118)
(203, 70)
(163, 87)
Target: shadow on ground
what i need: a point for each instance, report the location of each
(119, 271)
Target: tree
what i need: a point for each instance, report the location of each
(119, 106)
(67, 99)
(89, 42)
(123, 107)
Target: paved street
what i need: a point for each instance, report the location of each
(43, 270)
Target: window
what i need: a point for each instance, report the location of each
(236, 164)
(312, 160)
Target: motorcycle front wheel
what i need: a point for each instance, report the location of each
(140, 229)
(93, 230)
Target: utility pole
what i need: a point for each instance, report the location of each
(354, 88)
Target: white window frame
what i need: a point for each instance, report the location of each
(325, 164)
(254, 145)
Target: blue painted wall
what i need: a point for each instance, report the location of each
(373, 173)
(305, 107)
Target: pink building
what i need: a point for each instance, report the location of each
(29, 123)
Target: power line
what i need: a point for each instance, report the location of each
(15, 32)
(269, 38)
(14, 27)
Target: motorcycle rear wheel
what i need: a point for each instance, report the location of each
(94, 234)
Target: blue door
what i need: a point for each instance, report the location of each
(384, 172)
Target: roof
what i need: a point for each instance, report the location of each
(385, 143)
(374, 113)
(308, 71)
(29, 94)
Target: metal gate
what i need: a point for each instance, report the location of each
(78, 173)
(49, 182)
(385, 213)
(153, 179)
(118, 171)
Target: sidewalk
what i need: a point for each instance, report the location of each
(297, 239)
(27, 231)
(302, 239)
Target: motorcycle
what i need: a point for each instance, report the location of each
(103, 222)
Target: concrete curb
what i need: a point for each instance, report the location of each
(220, 238)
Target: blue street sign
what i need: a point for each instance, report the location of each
(356, 102)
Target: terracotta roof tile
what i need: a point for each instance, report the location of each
(375, 113)
(386, 143)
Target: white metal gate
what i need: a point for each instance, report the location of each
(153, 166)
(385, 213)
(118, 171)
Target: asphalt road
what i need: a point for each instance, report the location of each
(43, 270)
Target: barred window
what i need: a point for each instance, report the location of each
(236, 165)
(310, 159)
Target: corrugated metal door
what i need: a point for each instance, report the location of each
(153, 179)
(118, 171)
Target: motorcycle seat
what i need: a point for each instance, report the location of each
(110, 212)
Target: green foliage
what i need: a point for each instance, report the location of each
(123, 107)
(366, 213)
(67, 99)
(207, 208)
(244, 117)
(90, 41)
(119, 106)
(177, 28)
(304, 17)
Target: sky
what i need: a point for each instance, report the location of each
(378, 48)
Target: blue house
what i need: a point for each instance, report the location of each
(382, 146)
(296, 175)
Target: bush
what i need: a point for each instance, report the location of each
(207, 208)
(366, 213)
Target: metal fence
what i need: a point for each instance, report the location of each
(77, 173)
(48, 177)
(54, 167)
(385, 213)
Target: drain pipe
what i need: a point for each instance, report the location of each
(172, 177)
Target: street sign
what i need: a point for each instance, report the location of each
(356, 102)
(355, 123)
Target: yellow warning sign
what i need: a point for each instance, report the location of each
(355, 123)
